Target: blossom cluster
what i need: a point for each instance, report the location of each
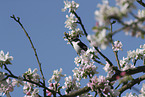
(142, 91)
(33, 75)
(72, 6)
(5, 85)
(52, 86)
(137, 26)
(141, 13)
(85, 65)
(107, 12)
(132, 56)
(108, 69)
(5, 59)
(99, 39)
(117, 46)
(29, 88)
(57, 74)
(102, 84)
(71, 22)
(71, 85)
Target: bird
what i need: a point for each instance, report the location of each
(78, 45)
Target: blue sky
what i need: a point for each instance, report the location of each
(44, 22)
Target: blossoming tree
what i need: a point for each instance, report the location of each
(119, 76)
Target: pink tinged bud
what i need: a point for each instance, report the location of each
(10, 88)
(97, 24)
(47, 91)
(49, 94)
(117, 77)
(58, 84)
(51, 84)
(123, 73)
(90, 85)
(106, 90)
(28, 93)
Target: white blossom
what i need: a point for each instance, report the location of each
(99, 40)
(143, 90)
(32, 74)
(133, 56)
(6, 86)
(141, 13)
(105, 88)
(5, 59)
(57, 74)
(106, 12)
(71, 84)
(85, 65)
(71, 22)
(72, 6)
(117, 46)
(107, 67)
(123, 3)
(29, 90)
(133, 24)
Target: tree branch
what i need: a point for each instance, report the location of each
(24, 79)
(80, 22)
(127, 25)
(36, 55)
(141, 3)
(128, 72)
(115, 53)
(132, 83)
(78, 92)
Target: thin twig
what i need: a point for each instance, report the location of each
(80, 22)
(117, 59)
(111, 64)
(141, 3)
(67, 37)
(134, 15)
(98, 61)
(128, 25)
(7, 69)
(115, 53)
(36, 55)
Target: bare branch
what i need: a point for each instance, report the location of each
(36, 55)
